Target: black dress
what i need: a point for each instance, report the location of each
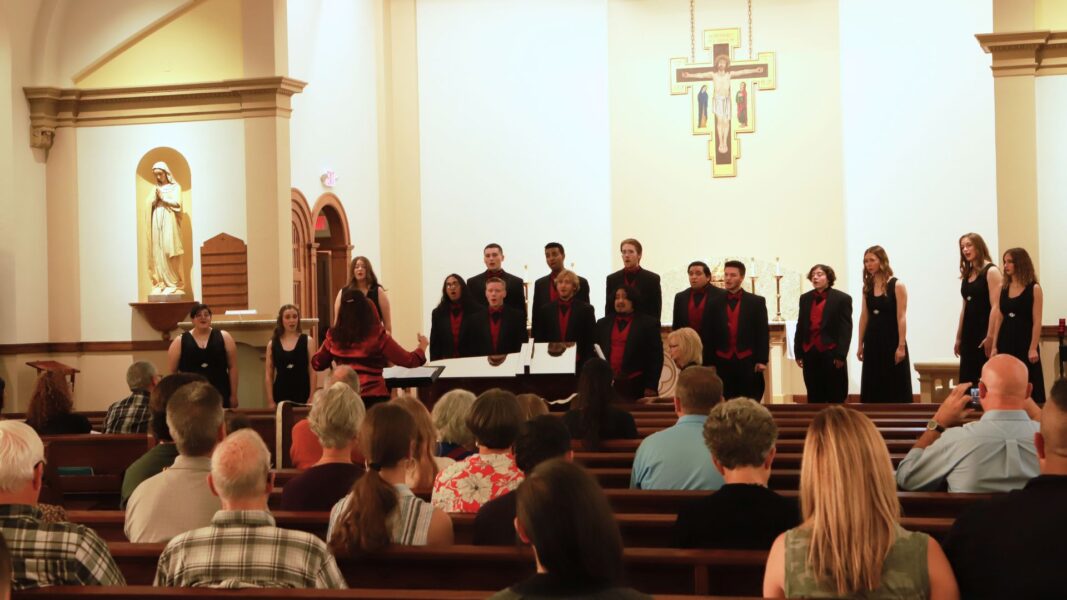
(210, 362)
(975, 326)
(291, 381)
(882, 380)
(1016, 331)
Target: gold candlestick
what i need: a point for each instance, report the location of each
(778, 292)
(753, 278)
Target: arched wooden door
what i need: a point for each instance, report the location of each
(303, 255)
(332, 254)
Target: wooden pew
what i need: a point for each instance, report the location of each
(107, 455)
(137, 592)
(652, 570)
(782, 460)
(784, 446)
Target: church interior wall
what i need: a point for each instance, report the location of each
(786, 200)
(1051, 98)
(334, 44)
(919, 166)
(514, 137)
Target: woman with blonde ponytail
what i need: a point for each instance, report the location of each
(381, 509)
(850, 543)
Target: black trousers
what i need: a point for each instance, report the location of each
(825, 382)
(740, 379)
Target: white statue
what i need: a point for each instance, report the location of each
(164, 235)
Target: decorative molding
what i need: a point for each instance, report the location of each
(163, 316)
(52, 107)
(1033, 53)
(83, 347)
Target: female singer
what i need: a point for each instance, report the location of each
(1017, 322)
(208, 351)
(458, 327)
(824, 334)
(883, 346)
(980, 283)
(364, 280)
(288, 366)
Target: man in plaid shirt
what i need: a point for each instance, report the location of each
(43, 554)
(131, 415)
(243, 547)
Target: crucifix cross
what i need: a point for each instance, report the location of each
(728, 107)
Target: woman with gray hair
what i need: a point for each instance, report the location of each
(335, 419)
(740, 435)
(454, 440)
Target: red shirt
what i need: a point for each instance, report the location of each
(697, 300)
(367, 358)
(564, 319)
(629, 276)
(494, 323)
(553, 293)
(732, 316)
(456, 320)
(818, 304)
(618, 341)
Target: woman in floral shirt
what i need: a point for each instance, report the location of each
(465, 486)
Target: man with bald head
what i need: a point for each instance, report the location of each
(242, 547)
(1021, 533)
(993, 454)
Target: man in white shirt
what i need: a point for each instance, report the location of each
(179, 498)
(995, 453)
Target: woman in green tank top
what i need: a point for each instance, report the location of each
(851, 544)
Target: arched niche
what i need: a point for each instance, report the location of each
(146, 186)
(334, 251)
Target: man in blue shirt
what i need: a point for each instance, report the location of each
(995, 453)
(676, 458)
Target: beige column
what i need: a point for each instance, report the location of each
(64, 267)
(398, 143)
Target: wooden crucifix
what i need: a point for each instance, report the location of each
(730, 101)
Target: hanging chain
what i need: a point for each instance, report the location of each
(751, 53)
(692, 32)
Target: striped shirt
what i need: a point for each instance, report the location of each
(129, 415)
(410, 521)
(244, 548)
(45, 554)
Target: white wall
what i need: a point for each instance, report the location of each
(1051, 98)
(514, 136)
(919, 152)
(107, 163)
(332, 46)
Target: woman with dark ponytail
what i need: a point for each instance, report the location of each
(381, 509)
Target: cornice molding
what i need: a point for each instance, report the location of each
(1026, 53)
(52, 107)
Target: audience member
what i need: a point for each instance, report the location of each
(132, 414)
(592, 416)
(450, 414)
(532, 405)
(51, 410)
(43, 554)
(1020, 532)
(850, 543)
(685, 348)
(335, 420)
(540, 438)
(564, 515)
(465, 486)
(382, 509)
(424, 467)
(743, 514)
(242, 547)
(676, 458)
(304, 447)
(161, 455)
(995, 453)
(195, 420)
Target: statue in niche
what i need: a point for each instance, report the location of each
(164, 234)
